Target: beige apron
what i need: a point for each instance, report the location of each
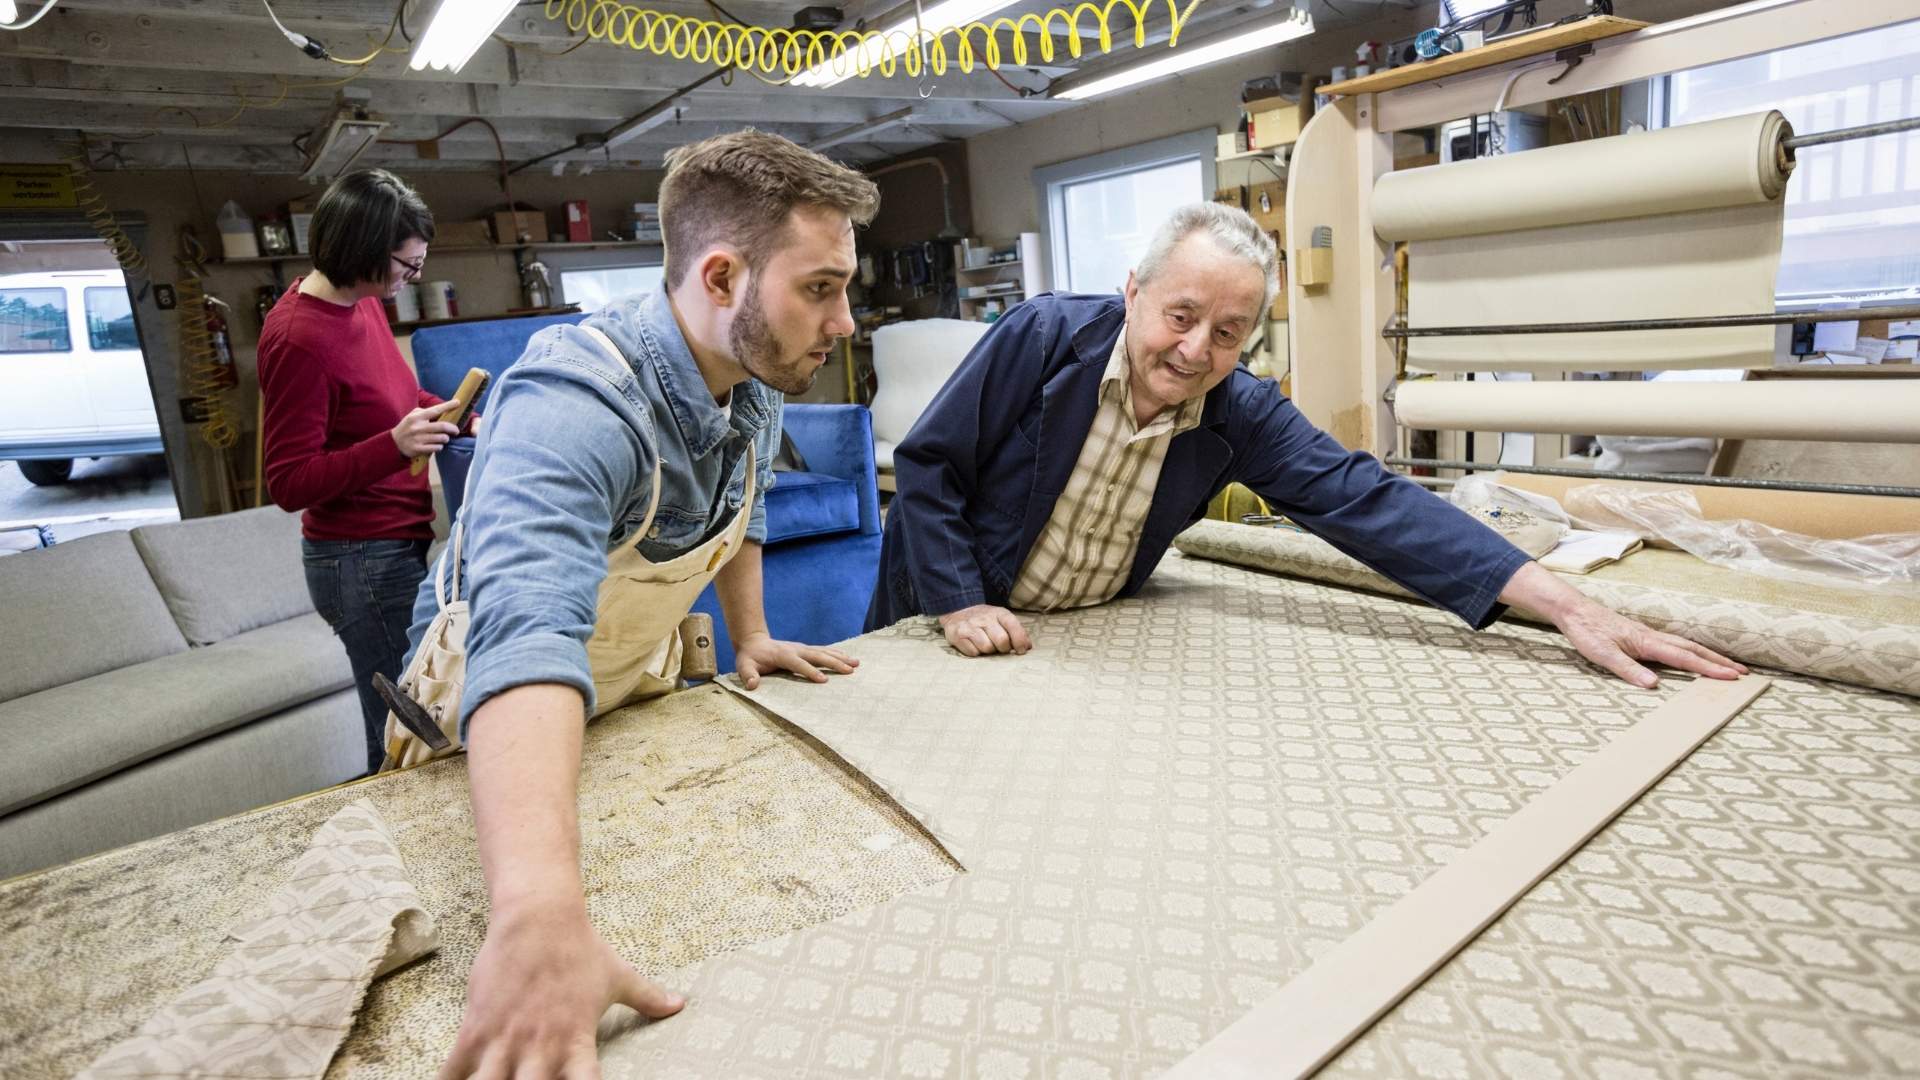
(635, 650)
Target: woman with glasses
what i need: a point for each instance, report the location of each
(344, 418)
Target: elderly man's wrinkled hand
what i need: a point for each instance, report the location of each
(984, 629)
(1617, 643)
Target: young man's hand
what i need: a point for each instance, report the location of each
(536, 993)
(763, 654)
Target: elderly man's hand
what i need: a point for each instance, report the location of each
(1609, 638)
(983, 629)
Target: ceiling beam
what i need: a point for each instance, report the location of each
(59, 80)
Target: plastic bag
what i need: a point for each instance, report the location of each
(1674, 519)
(1533, 523)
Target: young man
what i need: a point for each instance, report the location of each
(1083, 432)
(623, 466)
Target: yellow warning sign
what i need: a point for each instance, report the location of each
(36, 187)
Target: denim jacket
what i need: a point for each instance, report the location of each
(563, 473)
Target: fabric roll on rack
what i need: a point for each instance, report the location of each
(1829, 410)
(1681, 222)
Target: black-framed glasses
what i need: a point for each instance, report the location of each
(412, 269)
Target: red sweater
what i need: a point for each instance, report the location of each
(334, 385)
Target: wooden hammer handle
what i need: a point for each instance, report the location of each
(469, 390)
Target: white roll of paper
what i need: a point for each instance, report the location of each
(1676, 223)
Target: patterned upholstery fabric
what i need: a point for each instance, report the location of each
(1879, 648)
(1167, 809)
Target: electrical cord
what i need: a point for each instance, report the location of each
(315, 48)
(311, 46)
(37, 16)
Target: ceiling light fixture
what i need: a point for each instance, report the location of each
(352, 130)
(1079, 86)
(934, 20)
(458, 29)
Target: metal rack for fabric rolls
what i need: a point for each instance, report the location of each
(1731, 175)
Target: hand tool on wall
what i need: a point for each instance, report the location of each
(469, 392)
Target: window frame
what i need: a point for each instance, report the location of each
(1660, 115)
(86, 311)
(1051, 181)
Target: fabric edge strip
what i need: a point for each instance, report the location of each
(928, 822)
(1324, 1009)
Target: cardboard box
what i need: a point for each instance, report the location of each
(1232, 143)
(579, 224)
(462, 234)
(1268, 205)
(1275, 122)
(1235, 196)
(524, 227)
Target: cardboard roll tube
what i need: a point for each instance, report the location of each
(1875, 411)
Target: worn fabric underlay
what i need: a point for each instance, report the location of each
(1171, 806)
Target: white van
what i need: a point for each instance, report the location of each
(73, 383)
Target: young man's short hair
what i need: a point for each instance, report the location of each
(361, 219)
(739, 189)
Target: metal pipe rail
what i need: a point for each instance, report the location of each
(1661, 478)
(1889, 312)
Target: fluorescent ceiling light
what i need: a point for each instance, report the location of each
(458, 29)
(1296, 24)
(939, 17)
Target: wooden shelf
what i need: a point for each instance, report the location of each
(462, 249)
(1551, 39)
(266, 260)
(1250, 155)
(409, 327)
(591, 245)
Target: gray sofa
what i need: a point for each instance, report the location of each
(159, 678)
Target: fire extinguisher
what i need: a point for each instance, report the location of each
(221, 343)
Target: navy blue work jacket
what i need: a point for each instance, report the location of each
(980, 471)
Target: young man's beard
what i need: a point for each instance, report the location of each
(756, 348)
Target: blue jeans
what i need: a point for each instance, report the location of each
(365, 590)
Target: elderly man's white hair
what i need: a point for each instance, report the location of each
(1229, 227)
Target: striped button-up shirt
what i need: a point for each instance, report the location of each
(1084, 553)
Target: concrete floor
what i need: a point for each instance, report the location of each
(104, 494)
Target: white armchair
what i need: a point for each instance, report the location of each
(912, 361)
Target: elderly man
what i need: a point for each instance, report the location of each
(1084, 432)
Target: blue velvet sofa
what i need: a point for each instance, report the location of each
(823, 526)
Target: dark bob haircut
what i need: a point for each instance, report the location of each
(361, 219)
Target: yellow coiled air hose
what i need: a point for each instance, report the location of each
(778, 54)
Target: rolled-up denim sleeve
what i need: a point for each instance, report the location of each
(766, 445)
(563, 450)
